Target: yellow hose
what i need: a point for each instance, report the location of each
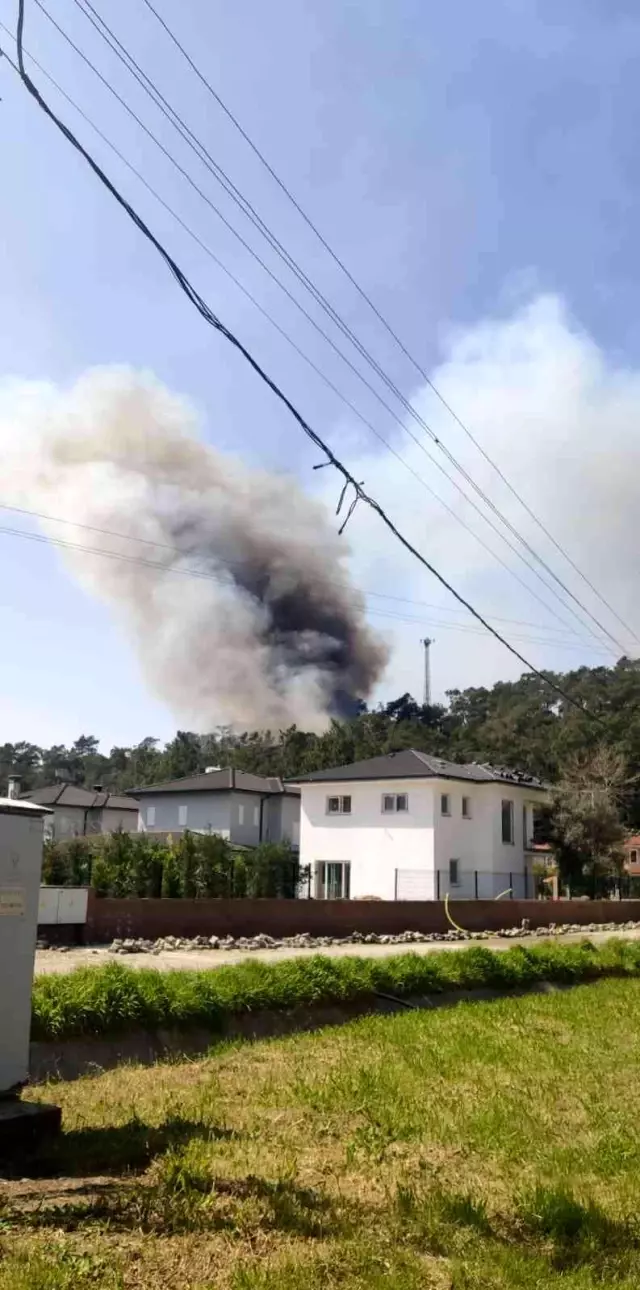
(453, 924)
(457, 926)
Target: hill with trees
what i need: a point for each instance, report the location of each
(519, 723)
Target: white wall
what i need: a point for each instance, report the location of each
(375, 844)
(290, 818)
(111, 819)
(66, 822)
(75, 821)
(477, 842)
(245, 818)
(210, 812)
(421, 841)
(282, 819)
(234, 815)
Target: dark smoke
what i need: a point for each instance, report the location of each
(271, 632)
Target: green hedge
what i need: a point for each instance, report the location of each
(112, 999)
(190, 865)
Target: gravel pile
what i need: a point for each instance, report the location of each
(304, 941)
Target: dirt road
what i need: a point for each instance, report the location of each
(48, 961)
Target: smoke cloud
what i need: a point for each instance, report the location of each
(271, 631)
(559, 414)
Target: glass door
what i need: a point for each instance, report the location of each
(333, 880)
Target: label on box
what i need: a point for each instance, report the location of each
(12, 902)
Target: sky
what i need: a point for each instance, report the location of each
(476, 168)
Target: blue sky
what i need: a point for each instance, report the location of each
(462, 160)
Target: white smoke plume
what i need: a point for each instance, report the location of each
(272, 632)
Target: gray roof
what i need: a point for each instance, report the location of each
(409, 763)
(75, 795)
(219, 781)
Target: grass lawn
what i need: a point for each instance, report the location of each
(491, 1145)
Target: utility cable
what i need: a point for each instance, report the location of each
(177, 551)
(188, 572)
(106, 33)
(387, 326)
(349, 480)
(420, 479)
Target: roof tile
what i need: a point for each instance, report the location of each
(410, 763)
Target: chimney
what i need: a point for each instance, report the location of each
(13, 786)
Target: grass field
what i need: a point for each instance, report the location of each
(491, 1145)
(109, 1000)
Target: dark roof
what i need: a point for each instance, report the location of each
(409, 763)
(76, 795)
(219, 781)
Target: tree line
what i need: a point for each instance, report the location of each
(520, 723)
(588, 750)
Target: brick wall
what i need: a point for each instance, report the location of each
(108, 918)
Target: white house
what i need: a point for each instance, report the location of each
(408, 826)
(247, 809)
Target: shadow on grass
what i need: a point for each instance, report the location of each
(188, 1199)
(578, 1233)
(548, 1223)
(127, 1148)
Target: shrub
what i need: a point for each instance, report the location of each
(171, 876)
(106, 1000)
(272, 870)
(193, 865)
(214, 867)
(68, 863)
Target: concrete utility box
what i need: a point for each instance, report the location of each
(21, 836)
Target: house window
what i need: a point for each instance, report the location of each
(256, 816)
(333, 880)
(151, 816)
(454, 873)
(241, 814)
(182, 816)
(338, 806)
(466, 808)
(633, 857)
(507, 823)
(392, 802)
(445, 804)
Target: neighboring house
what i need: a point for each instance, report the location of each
(408, 826)
(77, 811)
(246, 809)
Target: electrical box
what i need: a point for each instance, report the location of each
(21, 837)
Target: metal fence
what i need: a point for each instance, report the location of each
(462, 884)
(478, 884)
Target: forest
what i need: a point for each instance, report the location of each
(521, 724)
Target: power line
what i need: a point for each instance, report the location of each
(107, 34)
(350, 482)
(99, 23)
(420, 479)
(177, 551)
(188, 572)
(387, 326)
